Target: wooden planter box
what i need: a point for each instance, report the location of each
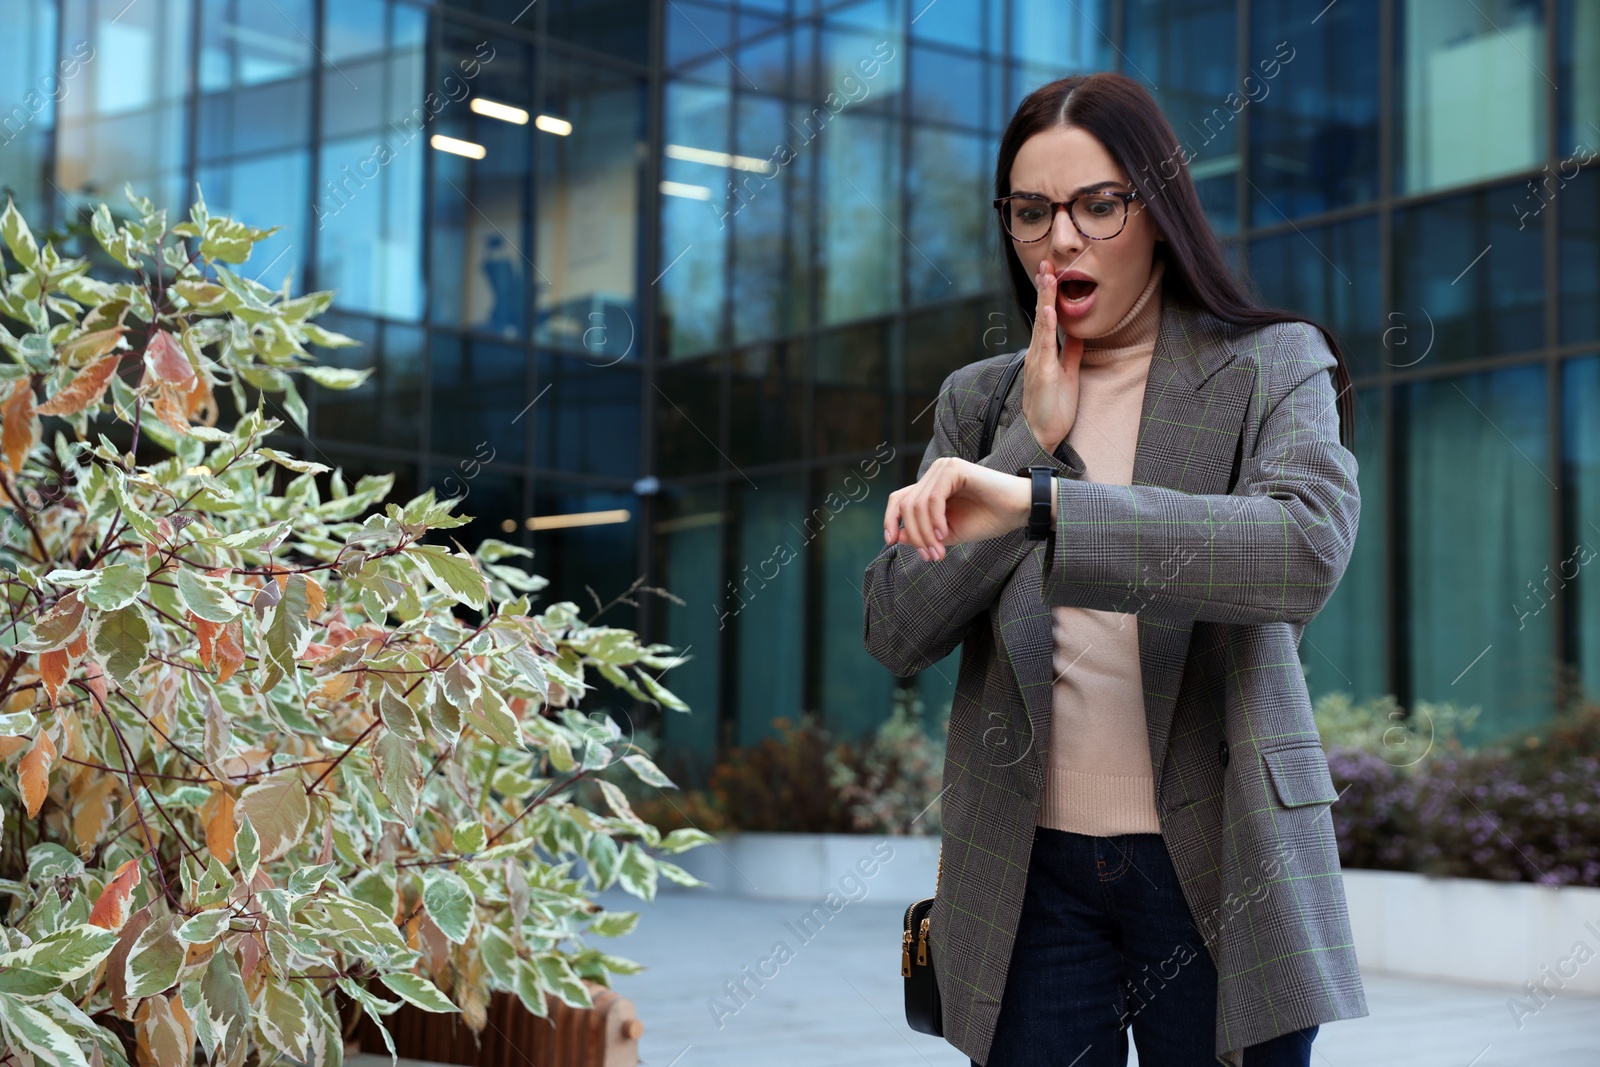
(606, 1035)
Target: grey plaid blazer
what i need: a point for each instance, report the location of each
(1222, 585)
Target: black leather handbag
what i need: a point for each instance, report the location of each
(923, 1012)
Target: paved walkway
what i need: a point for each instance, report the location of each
(836, 998)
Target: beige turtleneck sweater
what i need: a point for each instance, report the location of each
(1098, 779)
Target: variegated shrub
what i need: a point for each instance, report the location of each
(256, 768)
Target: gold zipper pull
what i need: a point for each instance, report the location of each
(905, 956)
(922, 942)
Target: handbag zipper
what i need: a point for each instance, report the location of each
(905, 954)
(922, 942)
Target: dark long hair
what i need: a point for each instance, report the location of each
(1125, 118)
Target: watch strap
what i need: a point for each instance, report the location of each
(1039, 506)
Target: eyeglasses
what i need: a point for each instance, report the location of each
(1098, 216)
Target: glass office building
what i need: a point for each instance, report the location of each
(701, 267)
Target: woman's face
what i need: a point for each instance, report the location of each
(1061, 163)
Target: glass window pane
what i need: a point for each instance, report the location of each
(960, 25)
(1580, 394)
(125, 121)
(32, 79)
(1187, 50)
(617, 27)
(953, 230)
(844, 529)
(369, 225)
(1578, 74)
(768, 402)
(851, 372)
(481, 259)
(860, 203)
(601, 554)
(688, 544)
(352, 414)
(266, 191)
(479, 393)
(942, 339)
(769, 604)
(1475, 459)
(587, 420)
(697, 31)
(1344, 648)
(249, 44)
(1466, 278)
(1065, 38)
(1580, 247)
(492, 498)
(1313, 133)
(688, 420)
(1470, 93)
(946, 86)
(588, 196)
(861, 72)
(1330, 273)
(695, 204)
(767, 221)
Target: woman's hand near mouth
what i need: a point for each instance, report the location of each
(1049, 374)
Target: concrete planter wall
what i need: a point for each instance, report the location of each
(1456, 929)
(1472, 930)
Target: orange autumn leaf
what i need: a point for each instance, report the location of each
(169, 409)
(217, 811)
(94, 811)
(79, 645)
(94, 679)
(110, 911)
(19, 431)
(10, 746)
(207, 632)
(166, 360)
(34, 772)
(230, 650)
(86, 389)
(53, 671)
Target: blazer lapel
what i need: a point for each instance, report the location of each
(1194, 387)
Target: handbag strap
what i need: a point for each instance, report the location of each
(997, 401)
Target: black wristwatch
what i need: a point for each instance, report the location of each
(1039, 509)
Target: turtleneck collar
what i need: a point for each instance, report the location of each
(1136, 333)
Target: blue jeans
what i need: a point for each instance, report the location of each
(1106, 941)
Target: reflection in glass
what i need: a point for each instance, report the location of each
(1470, 99)
(1331, 273)
(951, 226)
(601, 556)
(768, 401)
(688, 542)
(768, 600)
(1467, 278)
(1186, 52)
(586, 266)
(941, 339)
(124, 121)
(1344, 647)
(1579, 246)
(860, 198)
(844, 528)
(695, 204)
(479, 390)
(1578, 75)
(32, 79)
(1314, 132)
(688, 416)
(586, 417)
(1475, 461)
(1580, 471)
(851, 373)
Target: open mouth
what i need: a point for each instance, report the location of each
(1076, 289)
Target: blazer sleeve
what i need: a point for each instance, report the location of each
(916, 611)
(1271, 551)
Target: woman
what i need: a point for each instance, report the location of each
(1136, 803)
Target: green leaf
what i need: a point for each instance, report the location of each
(155, 959)
(684, 839)
(470, 836)
(399, 772)
(116, 586)
(279, 808)
(247, 850)
(207, 597)
(66, 954)
(673, 873)
(662, 694)
(122, 641)
(647, 772)
(282, 1018)
(530, 988)
(558, 976)
(304, 466)
(206, 926)
(18, 238)
(35, 1032)
(614, 923)
(455, 575)
(449, 901)
(637, 872)
(419, 991)
(337, 377)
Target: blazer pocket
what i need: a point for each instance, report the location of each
(1299, 772)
